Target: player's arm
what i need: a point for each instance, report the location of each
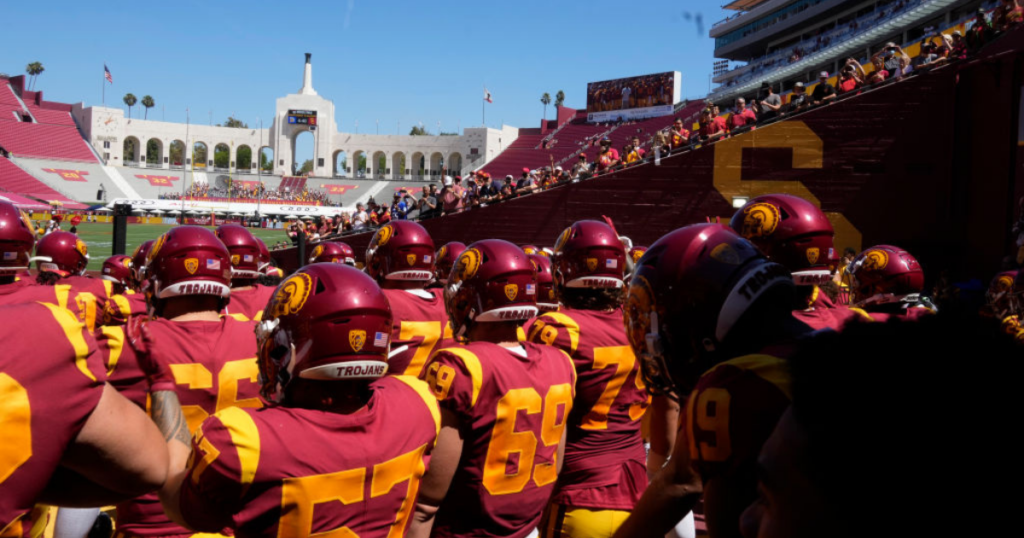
(726, 496)
(672, 494)
(664, 417)
(170, 420)
(117, 455)
(444, 460)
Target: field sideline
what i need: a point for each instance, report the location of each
(100, 238)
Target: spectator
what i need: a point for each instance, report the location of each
(361, 219)
(741, 116)
(526, 184)
(929, 56)
(798, 98)
(608, 157)
(893, 58)
(639, 150)
(399, 208)
(488, 190)
(710, 128)
(430, 205)
(878, 74)
(580, 170)
(981, 32)
(770, 104)
(680, 136)
(959, 49)
(452, 194)
(850, 77)
(631, 155)
(824, 92)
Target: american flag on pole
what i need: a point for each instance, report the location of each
(107, 75)
(487, 96)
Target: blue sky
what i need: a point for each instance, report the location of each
(401, 63)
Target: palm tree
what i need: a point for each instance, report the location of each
(559, 98)
(130, 100)
(34, 69)
(148, 102)
(546, 99)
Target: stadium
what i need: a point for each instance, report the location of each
(268, 300)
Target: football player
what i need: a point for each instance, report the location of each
(61, 259)
(547, 301)
(886, 282)
(445, 258)
(16, 242)
(338, 429)
(211, 358)
(400, 257)
(248, 297)
(333, 252)
(66, 437)
(603, 474)
(796, 234)
(269, 274)
(708, 315)
(504, 404)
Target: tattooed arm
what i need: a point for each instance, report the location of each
(170, 420)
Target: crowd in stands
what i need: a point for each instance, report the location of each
(200, 191)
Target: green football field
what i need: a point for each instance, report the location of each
(100, 238)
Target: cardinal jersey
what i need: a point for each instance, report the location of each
(85, 297)
(22, 280)
(512, 405)
(421, 323)
(214, 368)
(122, 307)
(248, 304)
(294, 472)
(605, 460)
(49, 385)
(822, 313)
(123, 371)
(733, 410)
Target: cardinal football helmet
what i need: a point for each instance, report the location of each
(62, 253)
(589, 254)
(117, 269)
(884, 274)
(546, 300)
(445, 259)
(493, 280)
(333, 252)
(400, 250)
(188, 260)
(688, 293)
(326, 322)
(16, 240)
(790, 231)
(244, 250)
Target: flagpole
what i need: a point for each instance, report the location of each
(104, 83)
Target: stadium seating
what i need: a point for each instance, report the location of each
(52, 117)
(14, 179)
(292, 184)
(47, 141)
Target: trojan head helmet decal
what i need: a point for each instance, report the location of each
(291, 295)
(468, 264)
(760, 220)
(876, 260)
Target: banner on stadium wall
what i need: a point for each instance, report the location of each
(633, 98)
(338, 189)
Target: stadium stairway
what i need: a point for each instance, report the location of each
(127, 190)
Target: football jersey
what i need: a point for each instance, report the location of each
(122, 307)
(295, 472)
(22, 280)
(85, 297)
(733, 410)
(605, 461)
(214, 368)
(123, 370)
(248, 304)
(420, 325)
(512, 405)
(49, 385)
(822, 313)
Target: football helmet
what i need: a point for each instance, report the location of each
(493, 280)
(244, 250)
(884, 274)
(118, 269)
(791, 231)
(327, 322)
(589, 254)
(999, 295)
(139, 262)
(16, 240)
(546, 300)
(62, 253)
(333, 252)
(531, 249)
(188, 260)
(689, 291)
(445, 258)
(400, 250)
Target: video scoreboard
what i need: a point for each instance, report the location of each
(302, 117)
